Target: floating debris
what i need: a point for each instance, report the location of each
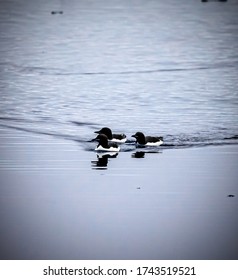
(231, 195)
(214, 1)
(57, 12)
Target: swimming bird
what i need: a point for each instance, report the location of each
(104, 146)
(143, 140)
(117, 138)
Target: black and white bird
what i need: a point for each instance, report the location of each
(151, 141)
(104, 146)
(116, 138)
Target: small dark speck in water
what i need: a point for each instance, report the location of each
(231, 195)
(57, 12)
(218, 0)
(138, 188)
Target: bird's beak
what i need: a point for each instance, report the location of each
(133, 136)
(97, 132)
(95, 139)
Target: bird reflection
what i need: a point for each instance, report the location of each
(139, 154)
(102, 160)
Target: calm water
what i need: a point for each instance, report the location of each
(157, 66)
(167, 68)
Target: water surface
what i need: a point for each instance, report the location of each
(161, 67)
